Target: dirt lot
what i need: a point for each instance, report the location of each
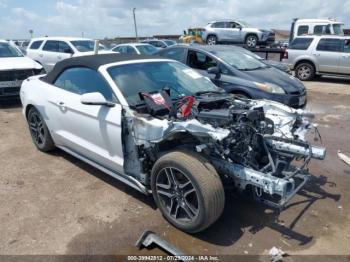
(55, 204)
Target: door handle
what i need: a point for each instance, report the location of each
(59, 57)
(62, 105)
(316, 54)
(41, 55)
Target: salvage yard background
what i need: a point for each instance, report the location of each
(56, 204)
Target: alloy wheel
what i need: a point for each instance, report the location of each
(211, 40)
(251, 41)
(37, 130)
(304, 72)
(177, 195)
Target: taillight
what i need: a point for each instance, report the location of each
(285, 55)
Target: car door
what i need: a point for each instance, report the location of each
(344, 63)
(233, 32)
(92, 131)
(34, 52)
(220, 30)
(49, 54)
(328, 54)
(64, 51)
(201, 62)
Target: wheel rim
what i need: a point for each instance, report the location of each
(304, 72)
(211, 40)
(177, 195)
(251, 41)
(37, 128)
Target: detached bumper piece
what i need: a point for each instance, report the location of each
(149, 238)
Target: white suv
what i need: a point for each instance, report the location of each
(50, 50)
(312, 56)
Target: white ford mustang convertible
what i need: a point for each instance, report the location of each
(163, 129)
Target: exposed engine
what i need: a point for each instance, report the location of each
(254, 142)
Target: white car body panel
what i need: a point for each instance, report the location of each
(93, 133)
(13, 63)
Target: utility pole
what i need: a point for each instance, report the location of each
(31, 32)
(136, 36)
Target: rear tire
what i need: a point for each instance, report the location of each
(212, 40)
(38, 130)
(305, 71)
(187, 190)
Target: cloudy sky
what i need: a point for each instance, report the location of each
(110, 18)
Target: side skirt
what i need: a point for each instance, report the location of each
(130, 181)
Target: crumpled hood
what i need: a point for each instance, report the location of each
(13, 63)
(272, 75)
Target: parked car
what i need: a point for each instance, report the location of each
(49, 50)
(160, 43)
(312, 56)
(232, 69)
(162, 128)
(135, 48)
(302, 27)
(14, 68)
(231, 31)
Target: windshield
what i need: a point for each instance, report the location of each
(170, 42)
(85, 45)
(7, 50)
(147, 49)
(338, 29)
(240, 60)
(155, 76)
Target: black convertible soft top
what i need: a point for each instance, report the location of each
(92, 62)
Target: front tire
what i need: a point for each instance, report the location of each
(305, 71)
(212, 40)
(251, 41)
(187, 190)
(38, 130)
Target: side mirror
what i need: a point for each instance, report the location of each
(96, 99)
(239, 27)
(214, 71)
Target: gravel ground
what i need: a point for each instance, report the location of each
(56, 204)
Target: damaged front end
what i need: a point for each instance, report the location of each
(257, 144)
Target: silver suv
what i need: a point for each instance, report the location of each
(312, 56)
(231, 31)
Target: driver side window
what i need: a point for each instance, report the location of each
(82, 80)
(63, 47)
(198, 60)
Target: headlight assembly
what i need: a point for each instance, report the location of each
(269, 87)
